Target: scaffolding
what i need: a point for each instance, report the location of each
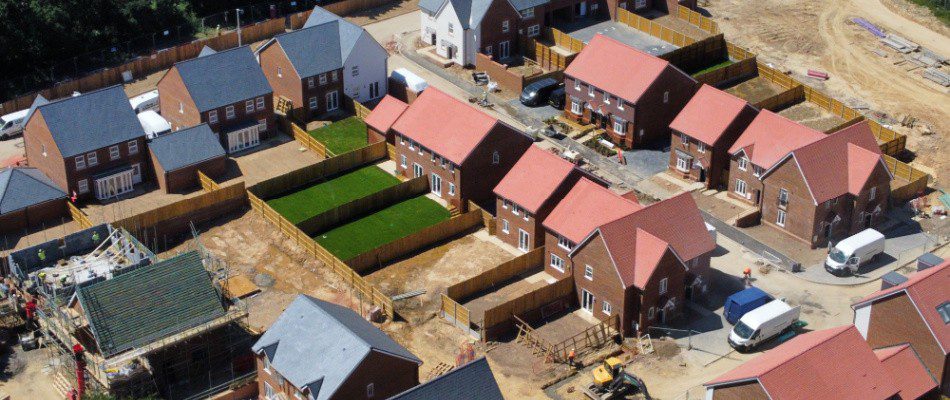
(195, 361)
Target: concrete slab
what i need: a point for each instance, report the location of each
(621, 32)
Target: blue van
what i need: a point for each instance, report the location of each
(744, 301)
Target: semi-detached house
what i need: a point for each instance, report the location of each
(329, 59)
(703, 133)
(528, 193)
(90, 145)
(463, 151)
(225, 90)
(630, 94)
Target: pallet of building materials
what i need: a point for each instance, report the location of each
(869, 26)
(936, 75)
(899, 43)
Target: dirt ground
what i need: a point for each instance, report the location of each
(755, 90)
(27, 375)
(506, 291)
(812, 116)
(435, 270)
(773, 30)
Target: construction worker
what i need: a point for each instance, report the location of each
(747, 276)
(30, 313)
(570, 358)
(41, 253)
(95, 237)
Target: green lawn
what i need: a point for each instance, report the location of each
(713, 67)
(342, 136)
(301, 205)
(398, 221)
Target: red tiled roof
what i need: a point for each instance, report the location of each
(386, 113)
(908, 371)
(928, 289)
(619, 69)
(449, 127)
(587, 206)
(770, 137)
(534, 178)
(675, 222)
(839, 163)
(708, 114)
(833, 363)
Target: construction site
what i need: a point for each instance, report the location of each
(115, 318)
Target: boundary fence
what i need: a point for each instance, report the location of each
(299, 134)
(499, 320)
(365, 205)
(498, 275)
(80, 217)
(207, 184)
(322, 170)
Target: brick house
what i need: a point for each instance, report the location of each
(644, 266)
(322, 351)
(178, 156)
(380, 121)
(317, 66)
(827, 364)
(225, 90)
(703, 133)
(463, 151)
(28, 199)
(585, 207)
(528, 193)
(91, 145)
(765, 142)
(632, 95)
(916, 312)
(471, 381)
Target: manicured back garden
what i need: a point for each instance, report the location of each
(389, 224)
(303, 204)
(342, 136)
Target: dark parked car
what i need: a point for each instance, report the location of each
(537, 92)
(557, 98)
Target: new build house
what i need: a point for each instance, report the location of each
(178, 156)
(225, 90)
(463, 151)
(833, 363)
(644, 265)
(471, 381)
(528, 193)
(318, 350)
(328, 59)
(916, 312)
(816, 187)
(380, 121)
(631, 95)
(90, 145)
(28, 199)
(587, 206)
(703, 133)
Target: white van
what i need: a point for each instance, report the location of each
(850, 254)
(153, 124)
(12, 124)
(762, 324)
(145, 101)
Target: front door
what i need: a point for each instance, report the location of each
(523, 238)
(436, 184)
(504, 50)
(587, 301)
(416, 170)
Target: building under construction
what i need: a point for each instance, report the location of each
(139, 324)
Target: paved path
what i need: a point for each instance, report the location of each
(771, 255)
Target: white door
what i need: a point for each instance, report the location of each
(504, 50)
(523, 240)
(436, 184)
(587, 301)
(416, 170)
(333, 100)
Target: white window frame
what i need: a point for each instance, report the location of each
(606, 98)
(588, 272)
(783, 197)
(576, 107)
(557, 262)
(504, 225)
(248, 106)
(505, 203)
(505, 26)
(83, 186)
(664, 285)
(260, 103)
(114, 152)
(213, 117)
(269, 393)
(741, 187)
(564, 243)
(515, 209)
(133, 146)
(534, 30)
(620, 104)
(402, 160)
(181, 107)
(780, 218)
(620, 126)
(323, 79)
(590, 90)
(682, 163)
(336, 103)
(743, 163)
(451, 28)
(92, 159)
(310, 83)
(333, 76)
(313, 103)
(229, 112)
(873, 193)
(756, 171)
(371, 390)
(527, 13)
(280, 72)
(700, 147)
(355, 70)
(606, 308)
(451, 189)
(577, 84)
(684, 139)
(262, 125)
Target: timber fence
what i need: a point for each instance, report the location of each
(499, 320)
(365, 205)
(301, 135)
(497, 276)
(320, 171)
(207, 184)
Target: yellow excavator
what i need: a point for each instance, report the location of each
(611, 382)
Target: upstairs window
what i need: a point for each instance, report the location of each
(310, 83)
(260, 103)
(873, 193)
(495, 158)
(280, 73)
(944, 311)
(92, 159)
(783, 197)
(80, 162)
(743, 163)
(355, 71)
(114, 153)
(133, 147)
(589, 272)
(505, 26)
(564, 243)
(664, 284)
(249, 106)
(213, 117)
(528, 13)
(323, 79)
(229, 112)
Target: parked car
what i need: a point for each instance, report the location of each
(537, 93)
(762, 324)
(850, 254)
(12, 124)
(558, 98)
(147, 101)
(741, 302)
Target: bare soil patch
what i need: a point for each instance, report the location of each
(812, 116)
(755, 90)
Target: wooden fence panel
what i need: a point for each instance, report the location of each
(742, 69)
(783, 99)
(497, 275)
(503, 313)
(321, 170)
(459, 315)
(80, 217)
(184, 207)
(207, 184)
(416, 241)
(697, 19)
(365, 205)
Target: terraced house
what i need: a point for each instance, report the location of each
(317, 66)
(631, 95)
(703, 133)
(225, 90)
(90, 146)
(463, 151)
(528, 193)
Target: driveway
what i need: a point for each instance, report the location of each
(639, 40)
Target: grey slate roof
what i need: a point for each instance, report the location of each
(323, 44)
(431, 6)
(317, 345)
(91, 121)
(472, 381)
(222, 78)
(24, 187)
(186, 147)
(37, 101)
(526, 4)
(469, 12)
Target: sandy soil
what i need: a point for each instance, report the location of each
(773, 30)
(812, 116)
(755, 90)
